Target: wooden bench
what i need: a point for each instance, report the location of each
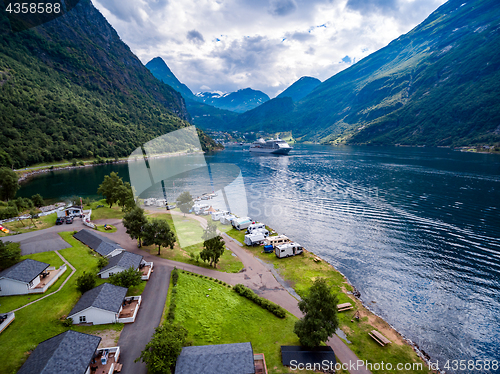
(344, 307)
(118, 367)
(379, 338)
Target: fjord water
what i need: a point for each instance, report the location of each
(415, 230)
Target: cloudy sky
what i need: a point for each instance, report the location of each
(226, 45)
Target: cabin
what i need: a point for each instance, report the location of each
(120, 263)
(28, 276)
(74, 211)
(72, 352)
(277, 240)
(237, 358)
(105, 304)
(102, 245)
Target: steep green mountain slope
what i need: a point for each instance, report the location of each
(209, 117)
(161, 71)
(72, 89)
(300, 88)
(437, 85)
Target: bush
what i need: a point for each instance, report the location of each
(175, 276)
(128, 278)
(67, 322)
(9, 212)
(10, 254)
(263, 303)
(85, 282)
(102, 262)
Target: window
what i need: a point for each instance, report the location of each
(83, 319)
(110, 273)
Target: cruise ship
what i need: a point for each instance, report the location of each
(275, 146)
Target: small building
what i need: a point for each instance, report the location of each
(315, 359)
(120, 263)
(28, 276)
(105, 304)
(74, 211)
(70, 352)
(102, 245)
(235, 358)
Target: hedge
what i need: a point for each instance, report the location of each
(264, 303)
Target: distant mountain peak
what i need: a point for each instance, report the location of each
(240, 101)
(300, 88)
(159, 68)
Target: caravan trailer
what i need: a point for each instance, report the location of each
(226, 220)
(288, 249)
(264, 232)
(277, 240)
(216, 216)
(255, 226)
(242, 223)
(254, 239)
(199, 208)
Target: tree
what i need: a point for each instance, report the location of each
(37, 200)
(8, 184)
(33, 215)
(135, 221)
(124, 196)
(127, 278)
(320, 315)
(10, 254)
(85, 282)
(163, 349)
(158, 232)
(213, 246)
(185, 202)
(102, 262)
(108, 187)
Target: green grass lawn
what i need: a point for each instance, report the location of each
(41, 321)
(189, 227)
(102, 229)
(104, 212)
(226, 317)
(26, 225)
(301, 271)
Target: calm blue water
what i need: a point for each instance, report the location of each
(416, 230)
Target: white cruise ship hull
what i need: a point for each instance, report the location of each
(277, 151)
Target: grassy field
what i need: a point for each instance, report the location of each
(301, 271)
(109, 230)
(225, 317)
(190, 228)
(27, 226)
(42, 320)
(104, 212)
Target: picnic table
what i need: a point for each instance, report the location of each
(344, 307)
(379, 338)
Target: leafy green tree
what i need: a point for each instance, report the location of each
(37, 200)
(135, 221)
(10, 254)
(127, 278)
(163, 349)
(109, 186)
(158, 232)
(185, 202)
(8, 184)
(320, 315)
(85, 282)
(213, 246)
(124, 196)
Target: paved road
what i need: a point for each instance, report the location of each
(135, 336)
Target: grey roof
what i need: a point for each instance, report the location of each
(24, 271)
(124, 260)
(216, 359)
(68, 353)
(98, 243)
(106, 296)
(303, 355)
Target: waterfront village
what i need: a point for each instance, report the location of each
(104, 286)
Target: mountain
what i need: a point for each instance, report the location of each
(436, 85)
(239, 101)
(161, 71)
(71, 88)
(209, 117)
(300, 88)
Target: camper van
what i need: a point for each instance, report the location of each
(277, 240)
(226, 220)
(242, 223)
(255, 226)
(288, 249)
(198, 209)
(264, 232)
(216, 216)
(254, 239)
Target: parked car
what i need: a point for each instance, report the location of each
(59, 220)
(69, 220)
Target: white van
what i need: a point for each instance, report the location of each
(264, 232)
(288, 249)
(226, 220)
(199, 208)
(255, 226)
(216, 216)
(254, 239)
(242, 223)
(277, 240)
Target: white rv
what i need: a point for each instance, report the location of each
(277, 240)
(255, 226)
(226, 220)
(288, 249)
(242, 223)
(216, 216)
(264, 232)
(254, 239)
(199, 208)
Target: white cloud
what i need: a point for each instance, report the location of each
(263, 44)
